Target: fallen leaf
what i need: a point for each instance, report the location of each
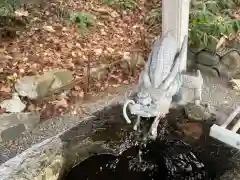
(235, 84)
(21, 12)
(32, 107)
(77, 87)
(98, 51)
(125, 82)
(115, 85)
(5, 89)
(127, 56)
(114, 14)
(2, 110)
(111, 50)
(49, 28)
(7, 57)
(220, 42)
(81, 94)
(60, 103)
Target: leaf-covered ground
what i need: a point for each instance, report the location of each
(43, 38)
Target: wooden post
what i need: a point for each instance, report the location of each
(175, 17)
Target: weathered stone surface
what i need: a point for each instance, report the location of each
(12, 132)
(195, 50)
(12, 125)
(13, 105)
(231, 60)
(191, 55)
(34, 86)
(237, 75)
(198, 112)
(38, 86)
(48, 160)
(131, 61)
(234, 44)
(61, 78)
(43, 161)
(225, 72)
(207, 58)
(208, 70)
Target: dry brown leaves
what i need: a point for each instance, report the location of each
(47, 42)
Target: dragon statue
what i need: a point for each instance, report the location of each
(161, 83)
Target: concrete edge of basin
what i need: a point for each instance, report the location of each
(46, 160)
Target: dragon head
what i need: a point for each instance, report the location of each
(142, 105)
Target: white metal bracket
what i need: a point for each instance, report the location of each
(228, 136)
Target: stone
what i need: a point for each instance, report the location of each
(13, 105)
(191, 55)
(208, 70)
(38, 86)
(42, 161)
(207, 58)
(14, 124)
(225, 72)
(34, 87)
(229, 66)
(195, 50)
(237, 76)
(130, 62)
(198, 112)
(231, 60)
(234, 44)
(61, 78)
(12, 132)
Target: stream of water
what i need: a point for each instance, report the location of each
(165, 160)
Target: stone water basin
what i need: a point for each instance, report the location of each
(79, 149)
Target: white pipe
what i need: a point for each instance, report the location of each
(175, 17)
(231, 117)
(226, 136)
(236, 127)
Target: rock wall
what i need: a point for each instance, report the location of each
(225, 62)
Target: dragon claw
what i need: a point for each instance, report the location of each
(136, 125)
(153, 134)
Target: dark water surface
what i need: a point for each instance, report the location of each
(161, 160)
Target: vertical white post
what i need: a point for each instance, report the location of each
(175, 17)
